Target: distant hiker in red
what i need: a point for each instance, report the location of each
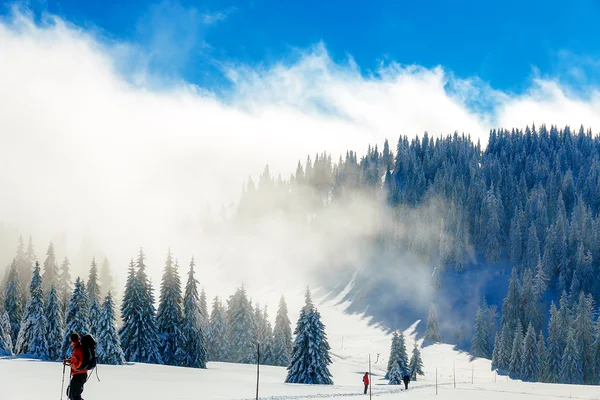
(78, 376)
(366, 381)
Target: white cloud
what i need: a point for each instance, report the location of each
(86, 151)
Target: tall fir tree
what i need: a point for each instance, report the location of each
(516, 356)
(12, 301)
(77, 320)
(217, 334)
(496, 352)
(554, 353)
(64, 287)
(34, 326)
(584, 335)
(480, 346)
(571, 370)
(109, 349)
(93, 296)
(415, 365)
(242, 329)
(542, 356)
(511, 308)
(310, 354)
(144, 343)
(282, 336)
(402, 357)
(264, 335)
(530, 363)
(169, 318)
(128, 311)
(6, 347)
(432, 331)
(50, 275)
(195, 339)
(393, 358)
(203, 307)
(56, 325)
(530, 302)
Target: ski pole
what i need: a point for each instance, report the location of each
(62, 386)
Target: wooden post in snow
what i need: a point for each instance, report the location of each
(436, 381)
(257, 367)
(454, 374)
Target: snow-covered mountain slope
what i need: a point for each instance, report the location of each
(352, 339)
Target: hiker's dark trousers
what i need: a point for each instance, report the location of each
(366, 387)
(406, 385)
(76, 386)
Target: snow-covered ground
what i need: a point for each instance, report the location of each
(25, 379)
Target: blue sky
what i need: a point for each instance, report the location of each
(505, 43)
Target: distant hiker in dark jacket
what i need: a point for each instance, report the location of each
(78, 376)
(366, 381)
(406, 379)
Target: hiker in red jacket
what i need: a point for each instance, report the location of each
(366, 381)
(78, 376)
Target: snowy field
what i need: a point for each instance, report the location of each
(32, 380)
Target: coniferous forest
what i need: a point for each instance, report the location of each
(521, 215)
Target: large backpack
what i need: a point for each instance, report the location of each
(89, 352)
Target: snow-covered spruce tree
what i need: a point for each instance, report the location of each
(511, 307)
(433, 328)
(571, 371)
(506, 342)
(282, 336)
(480, 346)
(496, 353)
(530, 363)
(50, 275)
(242, 339)
(93, 295)
(6, 348)
(127, 331)
(393, 359)
(554, 354)
(310, 355)
(530, 302)
(491, 227)
(109, 346)
(542, 356)
(12, 301)
(217, 333)
(169, 318)
(144, 340)
(195, 339)
(516, 356)
(265, 337)
(64, 287)
(32, 333)
(415, 365)
(56, 325)
(584, 336)
(77, 317)
(515, 240)
(395, 375)
(402, 356)
(203, 307)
